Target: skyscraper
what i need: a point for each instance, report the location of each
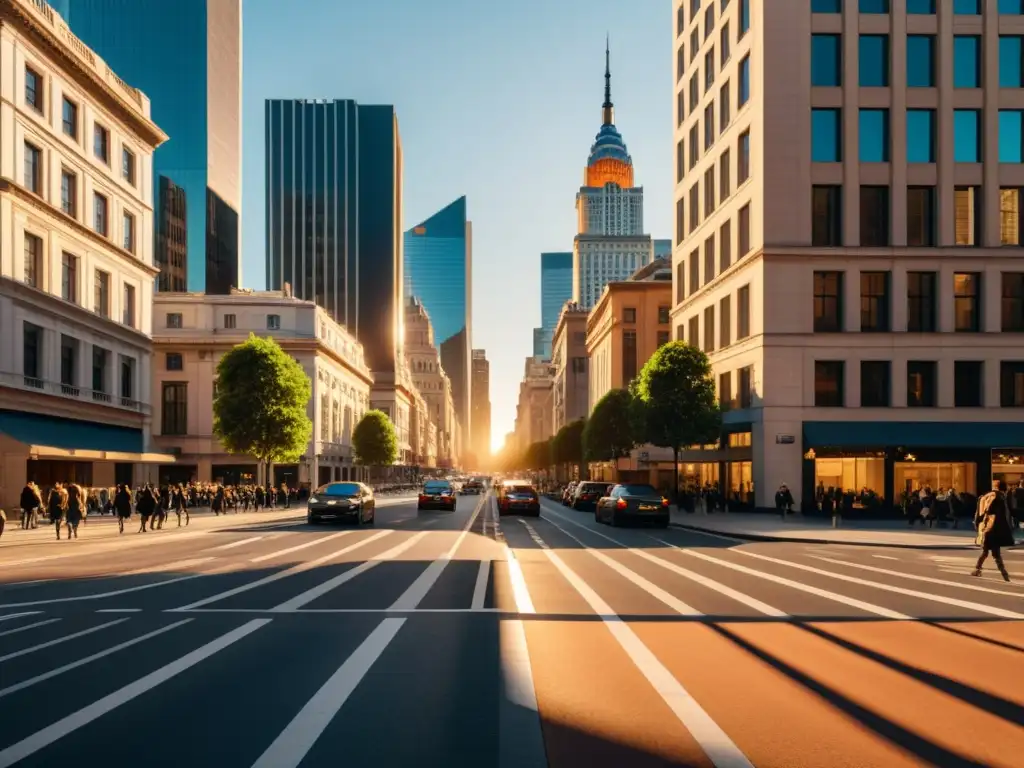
(555, 290)
(186, 55)
(438, 271)
(334, 215)
(481, 405)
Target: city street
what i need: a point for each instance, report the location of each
(456, 639)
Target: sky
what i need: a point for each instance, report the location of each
(498, 101)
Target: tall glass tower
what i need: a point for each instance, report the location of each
(438, 270)
(555, 290)
(186, 55)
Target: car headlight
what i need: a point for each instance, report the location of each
(313, 499)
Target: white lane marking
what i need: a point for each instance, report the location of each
(885, 557)
(25, 583)
(650, 588)
(175, 566)
(720, 749)
(19, 615)
(103, 595)
(915, 577)
(102, 547)
(300, 568)
(58, 730)
(234, 544)
(889, 588)
(983, 577)
(304, 598)
(704, 581)
(119, 610)
(520, 592)
(28, 627)
(946, 559)
(516, 669)
(83, 661)
(480, 587)
(426, 580)
(296, 548)
(299, 736)
(59, 640)
(834, 596)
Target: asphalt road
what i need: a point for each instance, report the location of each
(456, 639)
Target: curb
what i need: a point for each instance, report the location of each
(805, 540)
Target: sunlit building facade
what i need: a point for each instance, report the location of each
(480, 399)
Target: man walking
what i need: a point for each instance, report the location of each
(994, 528)
(30, 502)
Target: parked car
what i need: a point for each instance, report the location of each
(568, 491)
(472, 487)
(436, 494)
(587, 494)
(518, 496)
(342, 501)
(635, 503)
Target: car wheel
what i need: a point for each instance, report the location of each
(373, 517)
(312, 520)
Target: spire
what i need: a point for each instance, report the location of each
(608, 107)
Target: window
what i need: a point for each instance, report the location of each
(922, 301)
(173, 361)
(99, 212)
(709, 259)
(968, 376)
(680, 61)
(694, 44)
(273, 322)
(1011, 63)
(629, 315)
(744, 17)
(744, 230)
(680, 219)
(709, 125)
(1011, 141)
(69, 277)
(874, 61)
(173, 320)
(680, 283)
(128, 166)
(874, 302)
(724, 172)
(680, 160)
(743, 91)
(709, 69)
(33, 261)
(967, 302)
(875, 383)
(709, 21)
(744, 386)
(128, 306)
(725, 391)
(680, 21)
(743, 161)
(826, 6)
(692, 330)
(874, 135)
(694, 208)
(826, 215)
(100, 360)
(101, 143)
(127, 380)
(694, 92)
(724, 107)
(664, 337)
(920, 61)
(724, 321)
(101, 293)
(826, 136)
(33, 169)
(921, 136)
(826, 60)
(920, 216)
(874, 216)
(68, 365)
(966, 61)
(709, 328)
(629, 357)
(1011, 7)
(828, 302)
(680, 107)
(32, 355)
(33, 89)
(69, 193)
(724, 51)
(874, 6)
(725, 246)
(1011, 384)
(694, 271)
(743, 313)
(709, 191)
(69, 118)
(967, 221)
(967, 7)
(1013, 301)
(1009, 216)
(128, 226)
(967, 135)
(828, 383)
(174, 408)
(921, 383)
(694, 9)
(921, 7)
(229, 321)
(694, 145)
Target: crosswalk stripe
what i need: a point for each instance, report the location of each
(175, 566)
(104, 595)
(59, 640)
(27, 627)
(297, 547)
(520, 592)
(915, 577)
(10, 616)
(234, 544)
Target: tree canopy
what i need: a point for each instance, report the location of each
(260, 406)
(537, 456)
(374, 440)
(567, 446)
(608, 433)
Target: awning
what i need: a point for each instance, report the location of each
(917, 434)
(51, 437)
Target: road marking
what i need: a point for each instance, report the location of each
(883, 557)
(426, 580)
(722, 589)
(59, 640)
(103, 595)
(296, 548)
(83, 661)
(720, 749)
(889, 588)
(983, 577)
(119, 610)
(520, 738)
(19, 615)
(175, 566)
(28, 627)
(58, 730)
(324, 587)
(234, 544)
(299, 736)
(105, 546)
(915, 577)
(520, 592)
(483, 576)
(300, 568)
(650, 588)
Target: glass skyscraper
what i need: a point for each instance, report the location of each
(186, 56)
(555, 290)
(438, 271)
(334, 216)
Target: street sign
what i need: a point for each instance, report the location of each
(785, 439)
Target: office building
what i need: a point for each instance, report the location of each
(848, 241)
(76, 276)
(438, 272)
(533, 408)
(570, 396)
(187, 56)
(663, 249)
(431, 379)
(480, 400)
(555, 290)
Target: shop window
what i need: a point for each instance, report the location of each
(854, 474)
(911, 476)
(828, 383)
(740, 439)
(922, 384)
(968, 383)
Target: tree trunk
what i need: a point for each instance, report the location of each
(675, 474)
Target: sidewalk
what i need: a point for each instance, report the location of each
(816, 530)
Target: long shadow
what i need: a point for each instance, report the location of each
(990, 640)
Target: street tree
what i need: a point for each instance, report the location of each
(374, 440)
(674, 401)
(608, 433)
(567, 447)
(260, 405)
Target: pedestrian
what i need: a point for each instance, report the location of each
(3, 521)
(994, 528)
(217, 504)
(30, 502)
(75, 509)
(55, 505)
(179, 504)
(783, 500)
(146, 506)
(123, 505)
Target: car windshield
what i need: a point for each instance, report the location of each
(639, 490)
(518, 489)
(437, 487)
(340, 489)
(593, 487)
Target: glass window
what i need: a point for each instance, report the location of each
(128, 306)
(874, 216)
(920, 135)
(69, 277)
(33, 254)
(173, 361)
(724, 177)
(709, 69)
(922, 7)
(101, 143)
(100, 357)
(967, 135)
(967, 302)
(743, 96)
(629, 314)
(920, 61)
(920, 216)
(826, 136)
(1011, 7)
(33, 89)
(826, 60)
(826, 215)
(921, 383)
(694, 274)
(874, 60)
(744, 17)
(828, 383)
(743, 312)
(967, 221)
(922, 299)
(874, 302)
(1011, 65)
(874, 135)
(826, 6)
(724, 107)
(828, 302)
(724, 51)
(709, 125)
(1011, 384)
(709, 191)
(128, 166)
(875, 383)
(629, 356)
(33, 169)
(709, 259)
(968, 376)
(966, 61)
(99, 209)
(128, 227)
(743, 165)
(1009, 216)
(174, 408)
(173, 320)
(725, 320)
(273, 322)
(1010, 137)
(1012, 308)
(680, 159)
(725, 246)
(709, 328)
(874, 6)
(68, 365)
(744, 230)
(69, 118)
(68, 193)
(32, 354)
(967, 7)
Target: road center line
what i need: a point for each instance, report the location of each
(483, 576)
(234, 544)
(915, 577)
(297, 547)
(27, 627)
(59, 640)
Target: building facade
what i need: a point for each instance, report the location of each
(76, 261)
(570, 388)
(431, 380)
(862, 263)
(191, 334)
(187, 55)
(480, 444)
(555, 290)
(533, 408)
(439, 273)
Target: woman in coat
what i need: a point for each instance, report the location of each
(994, 531)
(146, 506)
(75, 508)
(122, 505)
(179, 504)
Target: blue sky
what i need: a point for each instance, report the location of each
(498, 101)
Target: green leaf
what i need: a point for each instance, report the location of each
(374, 440)
(609, 433)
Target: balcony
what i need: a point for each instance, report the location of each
(72, 392)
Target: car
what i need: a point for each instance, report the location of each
(436, 494)
(518, 496)
(586, 495)
(342, 501)
(633, 502)
(473, 487)
(568, 491)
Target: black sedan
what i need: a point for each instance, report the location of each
(342, 501)
(588, 494)
(437, 494)
(518, 496)
(635, 503)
